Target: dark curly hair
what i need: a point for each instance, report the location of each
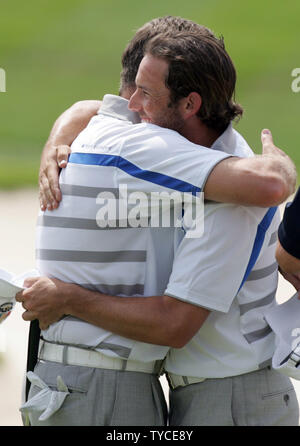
(134, 51)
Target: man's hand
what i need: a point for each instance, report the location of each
(55, 153)
(43, 299)
(288, 171)
(264, 180)
(268, 146)
(49, 191)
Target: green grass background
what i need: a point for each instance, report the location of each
(56, 52)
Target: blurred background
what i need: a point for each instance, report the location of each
(57, 52)
(60, 51)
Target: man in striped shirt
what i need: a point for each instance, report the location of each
(234, 341)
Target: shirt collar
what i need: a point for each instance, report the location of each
(226, 140)
(117, 107)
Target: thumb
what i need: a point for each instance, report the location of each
(62, 154)
(267, 140)
(30, 281)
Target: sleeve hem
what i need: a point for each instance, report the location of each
(222, 158)
(192, 298)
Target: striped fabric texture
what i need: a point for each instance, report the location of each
(80, 243)
(231, 271)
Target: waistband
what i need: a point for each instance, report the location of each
(69, 355)
(182, 381)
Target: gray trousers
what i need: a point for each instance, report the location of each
(261, 398)
(100, 397)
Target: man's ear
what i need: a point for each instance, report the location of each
(191, 105)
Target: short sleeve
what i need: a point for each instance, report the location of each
(167, 160)
(208, 270)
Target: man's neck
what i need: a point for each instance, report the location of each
(198, 133)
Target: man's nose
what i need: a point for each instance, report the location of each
(134, 103)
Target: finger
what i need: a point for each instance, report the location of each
(62, 155)
(43, 184)
(19, 296)
(29, 316)
(54, 189)
(266, 133)
(266, 139)
(29, 281)
(47, 199)
(43, 325)
(52, 173)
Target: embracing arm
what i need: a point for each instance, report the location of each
(264, 180)
(161, 320)
(56, 150)
(203, 282)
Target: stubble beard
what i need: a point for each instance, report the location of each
(171, 119)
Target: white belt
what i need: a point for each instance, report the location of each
(179, 380)
(68, 355)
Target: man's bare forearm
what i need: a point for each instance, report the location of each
(143, 319)
(71, 122)
(161, 320)
(264, 180)
(260, 181)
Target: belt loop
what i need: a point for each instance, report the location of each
(41, 347)
(124, 364)
(64, 355)
(159, 367)
(185, 380)
(170, 382)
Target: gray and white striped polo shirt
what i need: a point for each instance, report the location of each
(73, 243)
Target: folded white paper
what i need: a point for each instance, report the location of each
(284, 320)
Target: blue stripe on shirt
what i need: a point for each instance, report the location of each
(96, 159)
(258, 242)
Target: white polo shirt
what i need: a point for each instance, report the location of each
(231, 270)
(72, 244)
